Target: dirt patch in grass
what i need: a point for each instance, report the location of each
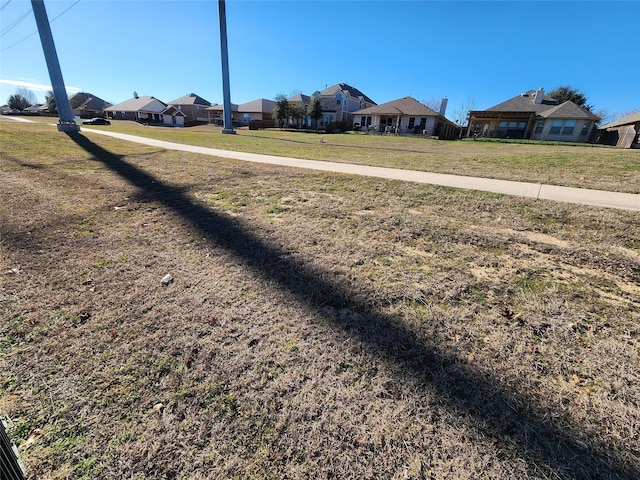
(315, 325)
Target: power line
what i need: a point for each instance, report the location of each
(3, 6)
(50, 22)
(15, 24)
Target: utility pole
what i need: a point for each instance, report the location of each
(226, 93)
(66, 122)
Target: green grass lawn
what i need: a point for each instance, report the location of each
(588, 166)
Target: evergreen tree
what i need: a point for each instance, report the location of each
(50, 100)
(18, 102)
(566, 93)
(281, 110)
(315, 110)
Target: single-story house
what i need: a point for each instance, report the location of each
(534, 116)
(215, 113)
(173, 116)
(245, 113)
(38, 109)
(193, 107)
(257, 110)
(623, 133)
(87, 105)
(140, 109)
(406, 115)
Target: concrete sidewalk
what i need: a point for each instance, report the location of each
(582, 196)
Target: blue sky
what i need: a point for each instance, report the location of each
(476, 53)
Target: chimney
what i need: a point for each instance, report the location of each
(443, 106)
(539, 95)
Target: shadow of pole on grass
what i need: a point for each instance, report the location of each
(497, 412)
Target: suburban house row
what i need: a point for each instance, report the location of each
(341, 104)
(528, 115)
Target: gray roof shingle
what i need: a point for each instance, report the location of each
(628, 120)
(525, 102)
(352, 91)
(137, 104)
(547, 108)
(401, 106)
(261, 105)
(568, 109)
(190, 99)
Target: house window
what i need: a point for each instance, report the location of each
(412, 122)
(365, 121)
(585, 128)
(423, 123)
(539, 127)
(246, 117)
(569, 126)
(338, 99)
(556, 126)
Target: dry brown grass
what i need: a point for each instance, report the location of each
(318, 326)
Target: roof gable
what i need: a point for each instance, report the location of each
(261, 105)
(403, 106)
(568, 110)
(88, 101)
(525, 102)
(172, 110)
(219, 107)
(628, 120)
(547, 108)
(190, 99)
(343, 87)
(299, 98)
(139, 104)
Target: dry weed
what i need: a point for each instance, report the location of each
(318, 325)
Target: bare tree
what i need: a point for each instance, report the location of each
(298, 112)
(433, 104)
(28, 95)
(461, 113)
(614, 117)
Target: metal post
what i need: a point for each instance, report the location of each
(226, 93)
(12, 468)
(66, 122)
